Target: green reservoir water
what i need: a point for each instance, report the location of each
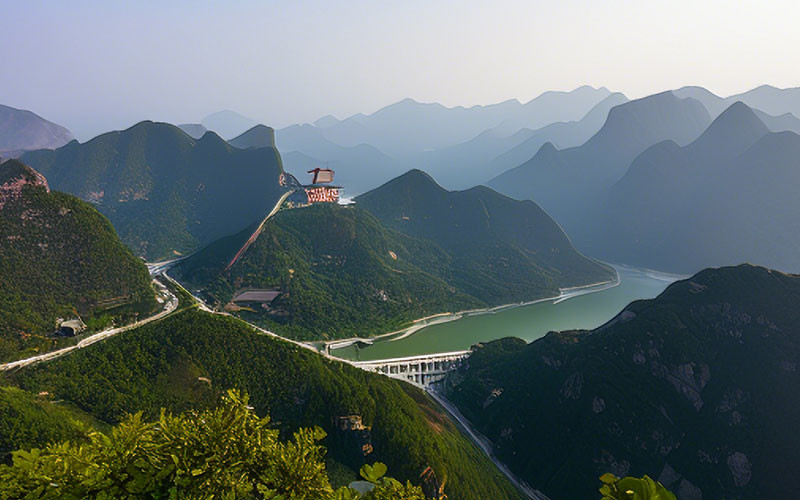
(529, 322)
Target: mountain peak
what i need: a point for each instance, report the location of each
(15, 175)
(259, 136)
(414, 179)
(736, 127)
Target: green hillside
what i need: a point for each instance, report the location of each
(406, 250)
(341, 273)
(188, 359)
(698, 388)
(165, 192)
(503, 250)
(59, 258)
(30, 421)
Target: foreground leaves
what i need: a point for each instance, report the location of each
(631, 488)
(224, 453)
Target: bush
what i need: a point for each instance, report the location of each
(227, 453)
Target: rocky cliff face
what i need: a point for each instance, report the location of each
(698, 388)
(14, 176)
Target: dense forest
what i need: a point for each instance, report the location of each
(60, 258)
(187, 360)
(342, 273)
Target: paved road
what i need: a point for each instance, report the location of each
(169, 306)
(485, 445)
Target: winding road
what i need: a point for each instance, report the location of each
(171, 303)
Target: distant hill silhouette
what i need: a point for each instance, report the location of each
(194, 130)
(566, 182)
(772, 100)
(228, 124)
(726, 198)
(259, 136)
(164, 191)
(561, 134)
(410, 127)
(59, 258)
(697, 388)
(779, 102)
(22, 131)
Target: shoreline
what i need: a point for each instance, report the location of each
(446, 317)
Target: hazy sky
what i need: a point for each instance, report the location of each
(94, 66)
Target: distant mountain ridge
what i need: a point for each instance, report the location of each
(724, 199)
(566, 182)
(228, 124)
(455, 142)
(409, 127)
(22, 130)
(779, 109)
(166, 193)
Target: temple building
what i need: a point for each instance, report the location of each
(320, 190)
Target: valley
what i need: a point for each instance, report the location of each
(418, 251)
(574, 310)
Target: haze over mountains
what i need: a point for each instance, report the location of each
(166, 193)
(727, 197)
(228, 124)
(697, 388)
(566, 182)
(22, 130)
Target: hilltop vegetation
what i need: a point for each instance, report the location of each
(166, 193)
(698, 387)
(341, 273)
(59, 258)
(416, 250)
(188, 359)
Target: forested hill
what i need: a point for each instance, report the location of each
(699, 388)
(341, 273)
(166, 193)
(186, 360)
(59, 258)
(505, 249)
